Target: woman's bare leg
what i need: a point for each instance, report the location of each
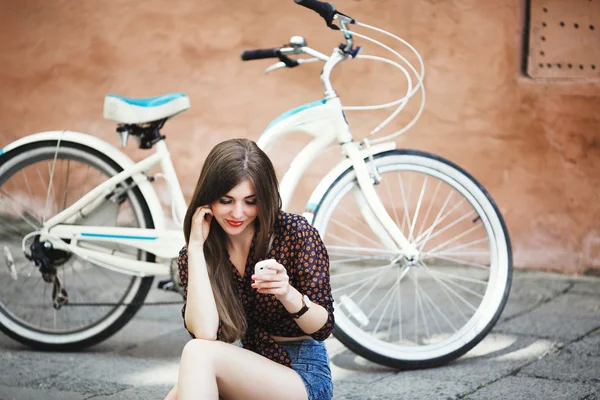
(212, 368)
(172, 395)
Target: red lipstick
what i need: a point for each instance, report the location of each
(235, 223)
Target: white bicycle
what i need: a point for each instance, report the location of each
(420, 256)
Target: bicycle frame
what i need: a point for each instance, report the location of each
(324, 120)
(164, 243)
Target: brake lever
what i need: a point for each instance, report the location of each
(281, 64)
(275, 66)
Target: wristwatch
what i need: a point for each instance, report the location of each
(306, 303)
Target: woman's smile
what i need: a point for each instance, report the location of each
(234, 223)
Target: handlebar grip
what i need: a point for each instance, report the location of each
(248, 55)
(324, 9)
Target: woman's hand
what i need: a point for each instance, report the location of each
(277, 284)
(200, 226)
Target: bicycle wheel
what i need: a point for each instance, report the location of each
(416, 315)
(36, 182)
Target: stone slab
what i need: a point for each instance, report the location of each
(566, 318)
(524, 388)
(22, 393)
(577, 362)
(589, 286)
(156, 392)
(529, 290)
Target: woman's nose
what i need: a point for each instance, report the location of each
(238, 211)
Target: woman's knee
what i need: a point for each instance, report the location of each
(199, 350)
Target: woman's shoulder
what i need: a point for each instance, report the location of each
(290, 224)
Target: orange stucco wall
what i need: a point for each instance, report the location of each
(534, 145)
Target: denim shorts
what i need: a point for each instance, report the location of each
(311, 361)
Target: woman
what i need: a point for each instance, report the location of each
(234, 221)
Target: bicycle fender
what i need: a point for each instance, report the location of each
(317, 195)
(103, 147)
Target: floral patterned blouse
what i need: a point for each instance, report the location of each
(298, 247)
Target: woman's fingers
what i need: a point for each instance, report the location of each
(269, 285)
(201, 224)
(277, 267)
(269, 277)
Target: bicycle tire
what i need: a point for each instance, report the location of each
(12, 324)
(414, 353)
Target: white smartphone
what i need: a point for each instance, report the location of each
(262, 268)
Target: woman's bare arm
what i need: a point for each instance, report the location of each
(201, 317)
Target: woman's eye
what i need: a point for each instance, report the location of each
(251, 202)
(224, 201)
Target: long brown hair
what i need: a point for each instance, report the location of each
(227, 164)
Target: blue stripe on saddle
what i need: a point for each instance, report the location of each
(150, 101)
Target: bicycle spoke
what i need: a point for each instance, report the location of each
(445, 228)
(431, 202)
(359, 282)
(27, 185)
(355, 249)
(453, 276)
(399, 304)
(465, 233)
(452, 250)
(438, 219)
(456, 260)
(346, 227)
(64, 206)
(418, 208)
(21, 216)
(406, 217)
(461, 287)
(462, 299)
(420, 303)
(391, 200)
(353, 217)
(361, 271)
(392, 311)
(441, 313)
(50, 185)
(397, 282)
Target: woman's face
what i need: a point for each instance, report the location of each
(236, 211)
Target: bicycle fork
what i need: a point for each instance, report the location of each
(373, 209)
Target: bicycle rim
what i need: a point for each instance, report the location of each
(420, 315)
(36, 184)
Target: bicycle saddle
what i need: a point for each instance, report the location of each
(128, 110)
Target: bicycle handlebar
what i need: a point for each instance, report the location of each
(260, 54)
(325, 10)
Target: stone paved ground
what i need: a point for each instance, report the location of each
(546, 346)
